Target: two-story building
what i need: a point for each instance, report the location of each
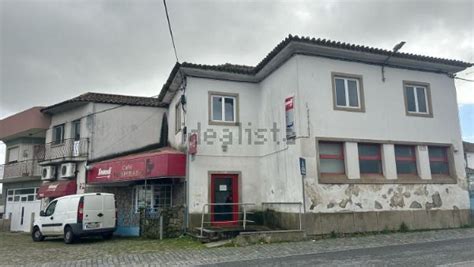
(24, 136)
(111, 143)
(365, 139)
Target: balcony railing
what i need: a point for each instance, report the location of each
(67, 149)
(26, 168)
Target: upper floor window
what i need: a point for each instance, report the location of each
(76, 130)
(13, 154)
(331, 158)
(223, 108)
(348, 92)
(58, 134)
(417, 99)
(370, 158)
(439, 163)
(406, 159)
(177, 119)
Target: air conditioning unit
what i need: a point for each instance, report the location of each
(67, 170)
(48, 173)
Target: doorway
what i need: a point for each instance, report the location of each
(224, 190)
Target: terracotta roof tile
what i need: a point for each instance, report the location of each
(110, 99)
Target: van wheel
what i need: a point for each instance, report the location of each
(69, 235)
(107, 236)
(37, 235)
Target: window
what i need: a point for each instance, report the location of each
(162, 196)
(406, 159)
(58, 134)
(13, 154)
(439, 163)
(417, 99)
(223, 108)
(370, 159)
(76, 130)
(50, 209)
(347, 92)
(177, 119)
(154, 197)
(331, 158)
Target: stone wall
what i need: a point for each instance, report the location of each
(5, 225)
(355, 222)
(173, 219)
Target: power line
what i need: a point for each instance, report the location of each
(467, 80)
(171, 31)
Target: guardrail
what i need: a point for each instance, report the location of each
(25, 168)
(299, 204)
(242, 206)
(67, 148)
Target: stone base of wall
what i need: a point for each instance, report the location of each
(5, 225)
(325, 223)
(173, 219)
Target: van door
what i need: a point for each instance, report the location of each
(93, 212)
(49, 222)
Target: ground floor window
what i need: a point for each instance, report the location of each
(152, 197)
(22, 194)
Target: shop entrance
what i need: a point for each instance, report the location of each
(224, 193)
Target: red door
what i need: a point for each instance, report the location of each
(224, 190)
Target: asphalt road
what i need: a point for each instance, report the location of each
(458, 252)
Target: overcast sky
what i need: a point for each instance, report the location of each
(54, 50)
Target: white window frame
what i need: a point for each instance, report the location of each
(152, 187)
(346, 92)
(9, 154)
(415, 93)
(20, 196)
(223, 97)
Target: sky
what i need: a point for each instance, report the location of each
(54, 50)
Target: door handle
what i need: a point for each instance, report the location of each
(51, 218)
(100, 214)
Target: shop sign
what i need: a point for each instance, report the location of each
(290, 117)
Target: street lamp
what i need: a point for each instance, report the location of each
(394, 50)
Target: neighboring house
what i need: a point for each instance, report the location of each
(469, 156)
(24, 136)
(316, 122)
(95, 128)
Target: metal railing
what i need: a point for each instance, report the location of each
(67, 148)
(299, 204)
(25, 168)
(242, 210)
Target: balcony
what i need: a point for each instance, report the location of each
(68, 149)
(26, 170)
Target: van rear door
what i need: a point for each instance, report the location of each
(93, 212)
(109, 211)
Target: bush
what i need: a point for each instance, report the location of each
(404, 228)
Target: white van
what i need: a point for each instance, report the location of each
(78, 215)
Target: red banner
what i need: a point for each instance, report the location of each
(161, 164)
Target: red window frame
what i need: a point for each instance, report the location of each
(440, 159)
(376, 157)
(409, 159)
(338, 157)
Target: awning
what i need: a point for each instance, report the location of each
(165, 163)
(57, 189)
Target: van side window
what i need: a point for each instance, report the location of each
(50, 209)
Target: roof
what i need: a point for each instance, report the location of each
(468, 147)
(456, 65)
(109, 99)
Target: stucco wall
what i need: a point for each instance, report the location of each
(270, 171)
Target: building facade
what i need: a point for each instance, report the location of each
(24, 136)
(364, 144)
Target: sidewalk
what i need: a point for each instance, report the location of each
(226, 254)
